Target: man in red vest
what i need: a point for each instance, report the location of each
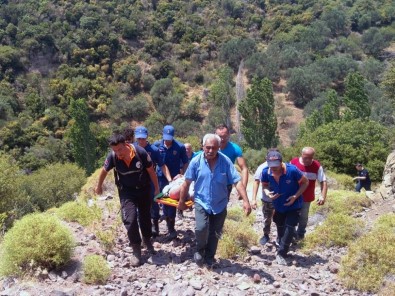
(313, 170)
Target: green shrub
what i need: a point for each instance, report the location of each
(254, 158)
(337, 230)
(369, 260)
(79, 212)
(342, 181)
(340, 144)
(37, 240)
(54, 185)
(106, 238)
(95, 269)
(238, 234)
(13, 201)
(237, 214)
(341, 202)
(386, 221)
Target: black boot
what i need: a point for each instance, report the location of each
(155, 228)
(135, 259)
(148, 245)
(171, 232)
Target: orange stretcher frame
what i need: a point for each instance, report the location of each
(160, 198)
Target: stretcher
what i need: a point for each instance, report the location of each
(165, 200)
(171, 194)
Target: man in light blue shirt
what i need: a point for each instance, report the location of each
(212, 172)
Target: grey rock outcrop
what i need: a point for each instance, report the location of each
(387, 187)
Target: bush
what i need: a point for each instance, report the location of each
(238, 235)
(37, 240)
(96, 270)
(54, 185)
(195, 141)
(12, 199)
(254, 158)
(79, 212)
(106, 238)
(340, 181)
(337, 230)
(342, 202)
(371, 258)
(340, 144)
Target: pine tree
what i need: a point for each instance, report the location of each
(259, 122)
(356, 100)
(82, 139)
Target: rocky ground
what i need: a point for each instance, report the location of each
(171, 271)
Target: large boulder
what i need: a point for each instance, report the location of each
(387, 187)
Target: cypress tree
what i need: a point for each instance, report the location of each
(82, 140)
(355, 98)
(259, 122)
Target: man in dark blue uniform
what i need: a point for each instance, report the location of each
(173, 153)
(141, 135)
(362, 178)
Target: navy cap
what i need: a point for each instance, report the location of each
(168, 133)
(274, 159)
(141, 132)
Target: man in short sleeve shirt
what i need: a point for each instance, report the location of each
(134, 172)
(284, 184)
(141, 135)
(313, 171)
(212, 172)
(173, 153)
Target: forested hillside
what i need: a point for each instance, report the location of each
(73, 71)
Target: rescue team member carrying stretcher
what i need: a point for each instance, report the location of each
(212, 172)
(134, 173)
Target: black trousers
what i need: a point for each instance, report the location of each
(286, 223)
(136, 214)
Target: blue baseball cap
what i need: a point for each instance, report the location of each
(168, 133)
(274, 159)
(141, 132)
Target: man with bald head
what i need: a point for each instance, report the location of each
(313, 170)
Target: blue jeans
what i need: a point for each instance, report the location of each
(286, 223)
(304, 217)
(359, 186)
(208, 230)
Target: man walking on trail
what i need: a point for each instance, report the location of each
(362, 178)
(173, 153)
(141, 135)
(134, 173)
(313, 171)
(284, 184)
(212, 172)
(233, 151)
(267, 205)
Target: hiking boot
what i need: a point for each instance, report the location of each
(155, 228)
(281, 260)
(180, 215)
(264, 239)
(148, 245)
(198, 258)
(211, 263)
(277, 242)
(135, 259)
(171, 234)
